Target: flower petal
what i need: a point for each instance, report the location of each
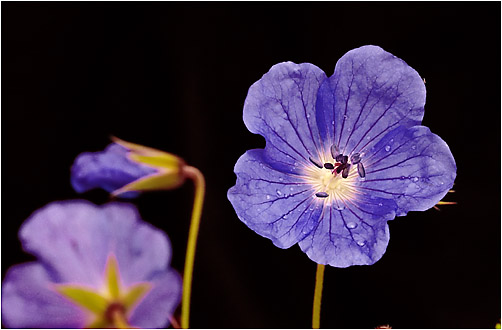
(353, 234)
(28, 301)
(160, 302)
(370, 93)
(75, 238)
(281, 107)
(412, 166)
(109, 169)
(276, 205)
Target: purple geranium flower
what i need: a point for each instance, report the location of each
(343, 155)
(98, 266)
(125, 168)
(109, 169)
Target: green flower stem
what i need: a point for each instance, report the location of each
(316, 311)
(199, 182)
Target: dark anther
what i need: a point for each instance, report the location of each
(339, 158)
(345, 172)
(315, 163)
(340, 168)
(345, 159)
(360, 170)
(334, 151)
(329, 166)
(356, 158)
(322, 194)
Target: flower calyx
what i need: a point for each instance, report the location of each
(169, 172)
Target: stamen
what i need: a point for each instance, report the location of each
(345, 172)
(339, 158)
(356, 158)
(360, 170)
(345, 159)
(315, 163)
(334, 151)
(329, 166)
(340, 168)
(322, 194)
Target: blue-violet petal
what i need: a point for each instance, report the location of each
(355, 233)
(274, 204)
(29, 302)
(412, 166)
(370, 93)
(281, 107)
(75, 238)
(162, 300)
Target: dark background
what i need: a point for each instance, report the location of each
(174, 76)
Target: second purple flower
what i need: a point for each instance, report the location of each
(97, 267)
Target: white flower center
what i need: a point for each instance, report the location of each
(329, 182)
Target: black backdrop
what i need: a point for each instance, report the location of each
(174, 76)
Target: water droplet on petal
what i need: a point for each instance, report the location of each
(402, 178)
(268, 196)
(279, 193)
(368, 137)
(413, 147)
(308, 115)
(333, 122)
(281, 179)
(387, 148)
(345, 116)
(380, 204)
(351, 225)
(349, 129)
(361, 243)
(291, 188)
(284, 216)
(415, 179)
(340, 208)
